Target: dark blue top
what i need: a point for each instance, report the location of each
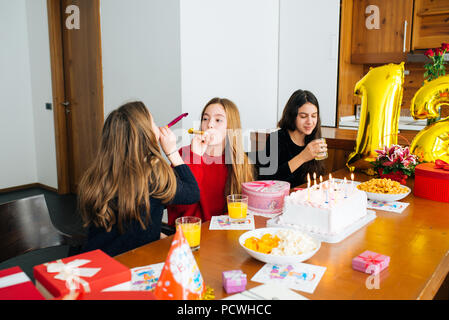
(114, 243)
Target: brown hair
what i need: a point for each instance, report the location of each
(240, 169)
(288, 122)
(127, 170)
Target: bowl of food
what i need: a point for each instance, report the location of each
(384, 190)
(279, 245)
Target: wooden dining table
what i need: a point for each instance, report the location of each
(417, 240)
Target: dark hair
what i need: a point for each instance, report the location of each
(288, 122)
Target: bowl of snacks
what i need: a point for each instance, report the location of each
(279, 245)
(384, 190)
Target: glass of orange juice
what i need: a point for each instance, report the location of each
(237, 207)
(191, 227)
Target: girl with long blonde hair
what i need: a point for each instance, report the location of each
(217, 160)
(123, 193)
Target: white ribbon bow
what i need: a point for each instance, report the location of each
(71, 273)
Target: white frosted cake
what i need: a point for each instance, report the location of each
(324, 210)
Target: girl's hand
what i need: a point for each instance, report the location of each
(167, 140)
(314, 149)
(199, 143)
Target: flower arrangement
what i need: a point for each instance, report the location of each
(437, 67)
(396, 163)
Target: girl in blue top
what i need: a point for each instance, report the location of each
(123, 193)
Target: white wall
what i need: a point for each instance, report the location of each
(229, 49)
(18, 154)
(141, 55)
(26, 128)
(174, 55)
(44, 130)
(308, 53)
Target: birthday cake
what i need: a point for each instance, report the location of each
(324, 208)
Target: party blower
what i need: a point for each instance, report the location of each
(193, 131)
(176, 120)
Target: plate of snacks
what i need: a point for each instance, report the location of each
(279, 245)
(384, 190)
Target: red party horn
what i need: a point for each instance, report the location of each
(176, 120)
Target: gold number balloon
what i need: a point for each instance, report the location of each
(432, 142)
(381, 93)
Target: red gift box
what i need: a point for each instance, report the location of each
(15, 285)
(113, 295)
(431, 183)
(87, 272)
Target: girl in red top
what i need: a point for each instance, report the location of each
(217, 160)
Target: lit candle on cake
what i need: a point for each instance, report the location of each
(314, 180)
(346, 189)
(321, 181)
(308, 187)
(327, 191)
(352, 182)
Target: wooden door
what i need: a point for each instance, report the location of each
(386, 41)
(77, 88)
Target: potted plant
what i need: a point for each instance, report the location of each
(395, 163)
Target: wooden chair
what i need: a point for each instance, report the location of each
(25, 225)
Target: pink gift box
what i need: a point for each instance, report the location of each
(234, 281)
(266, 196)
(370, 262)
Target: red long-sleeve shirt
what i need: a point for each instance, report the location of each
(210, 174)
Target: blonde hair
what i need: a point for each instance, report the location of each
(127, 171)
(240, 170)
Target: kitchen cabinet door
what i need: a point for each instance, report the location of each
(381, 31)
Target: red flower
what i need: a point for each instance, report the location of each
(429, 53)
(438, 51)
(445, 46)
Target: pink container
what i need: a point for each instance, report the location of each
(266, 196)
(234, 281)
(370, 262)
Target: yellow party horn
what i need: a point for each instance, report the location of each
(192, 131)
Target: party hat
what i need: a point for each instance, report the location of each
(180, 278)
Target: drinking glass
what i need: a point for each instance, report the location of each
(191, 227)
(237, 207)
(323, 155)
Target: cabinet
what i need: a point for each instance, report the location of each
(381, 31)
(431, 24)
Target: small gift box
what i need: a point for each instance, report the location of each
(370, 262)
(15, 285)
(266, 196)
(234, 281)
(87, 272)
